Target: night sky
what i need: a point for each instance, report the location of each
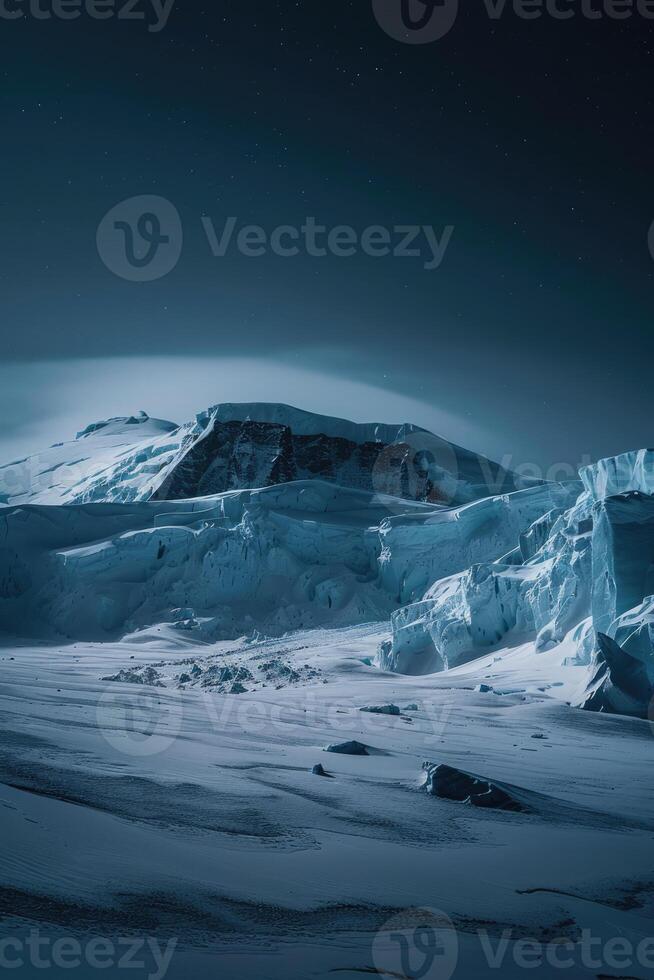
(532, 138)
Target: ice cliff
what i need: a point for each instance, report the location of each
(578, 572)
(273, 559)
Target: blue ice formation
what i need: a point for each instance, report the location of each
(576, 572)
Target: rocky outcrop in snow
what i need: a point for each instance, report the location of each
(462, 787)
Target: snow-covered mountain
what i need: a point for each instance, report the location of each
(241, 447)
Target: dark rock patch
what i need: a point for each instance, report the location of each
(463, 787)
(348, 748)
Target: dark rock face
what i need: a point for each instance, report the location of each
(462, 787)
(621, 683)
(237, 455)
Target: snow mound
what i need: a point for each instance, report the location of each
(116, 459)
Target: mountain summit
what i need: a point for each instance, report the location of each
(249, 446)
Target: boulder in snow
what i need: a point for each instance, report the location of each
(348, 748)
(382, 709)
(463, 787)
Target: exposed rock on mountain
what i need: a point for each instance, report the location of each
(237, 447)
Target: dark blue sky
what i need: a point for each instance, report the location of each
(532, 138)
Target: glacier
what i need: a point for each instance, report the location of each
(275, 559)
(264, 519)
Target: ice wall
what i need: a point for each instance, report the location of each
(575, 572)
(417, 550)
(620, 474)
(276, 559)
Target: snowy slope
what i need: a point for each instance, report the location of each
(128, 451)
(183, 814)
